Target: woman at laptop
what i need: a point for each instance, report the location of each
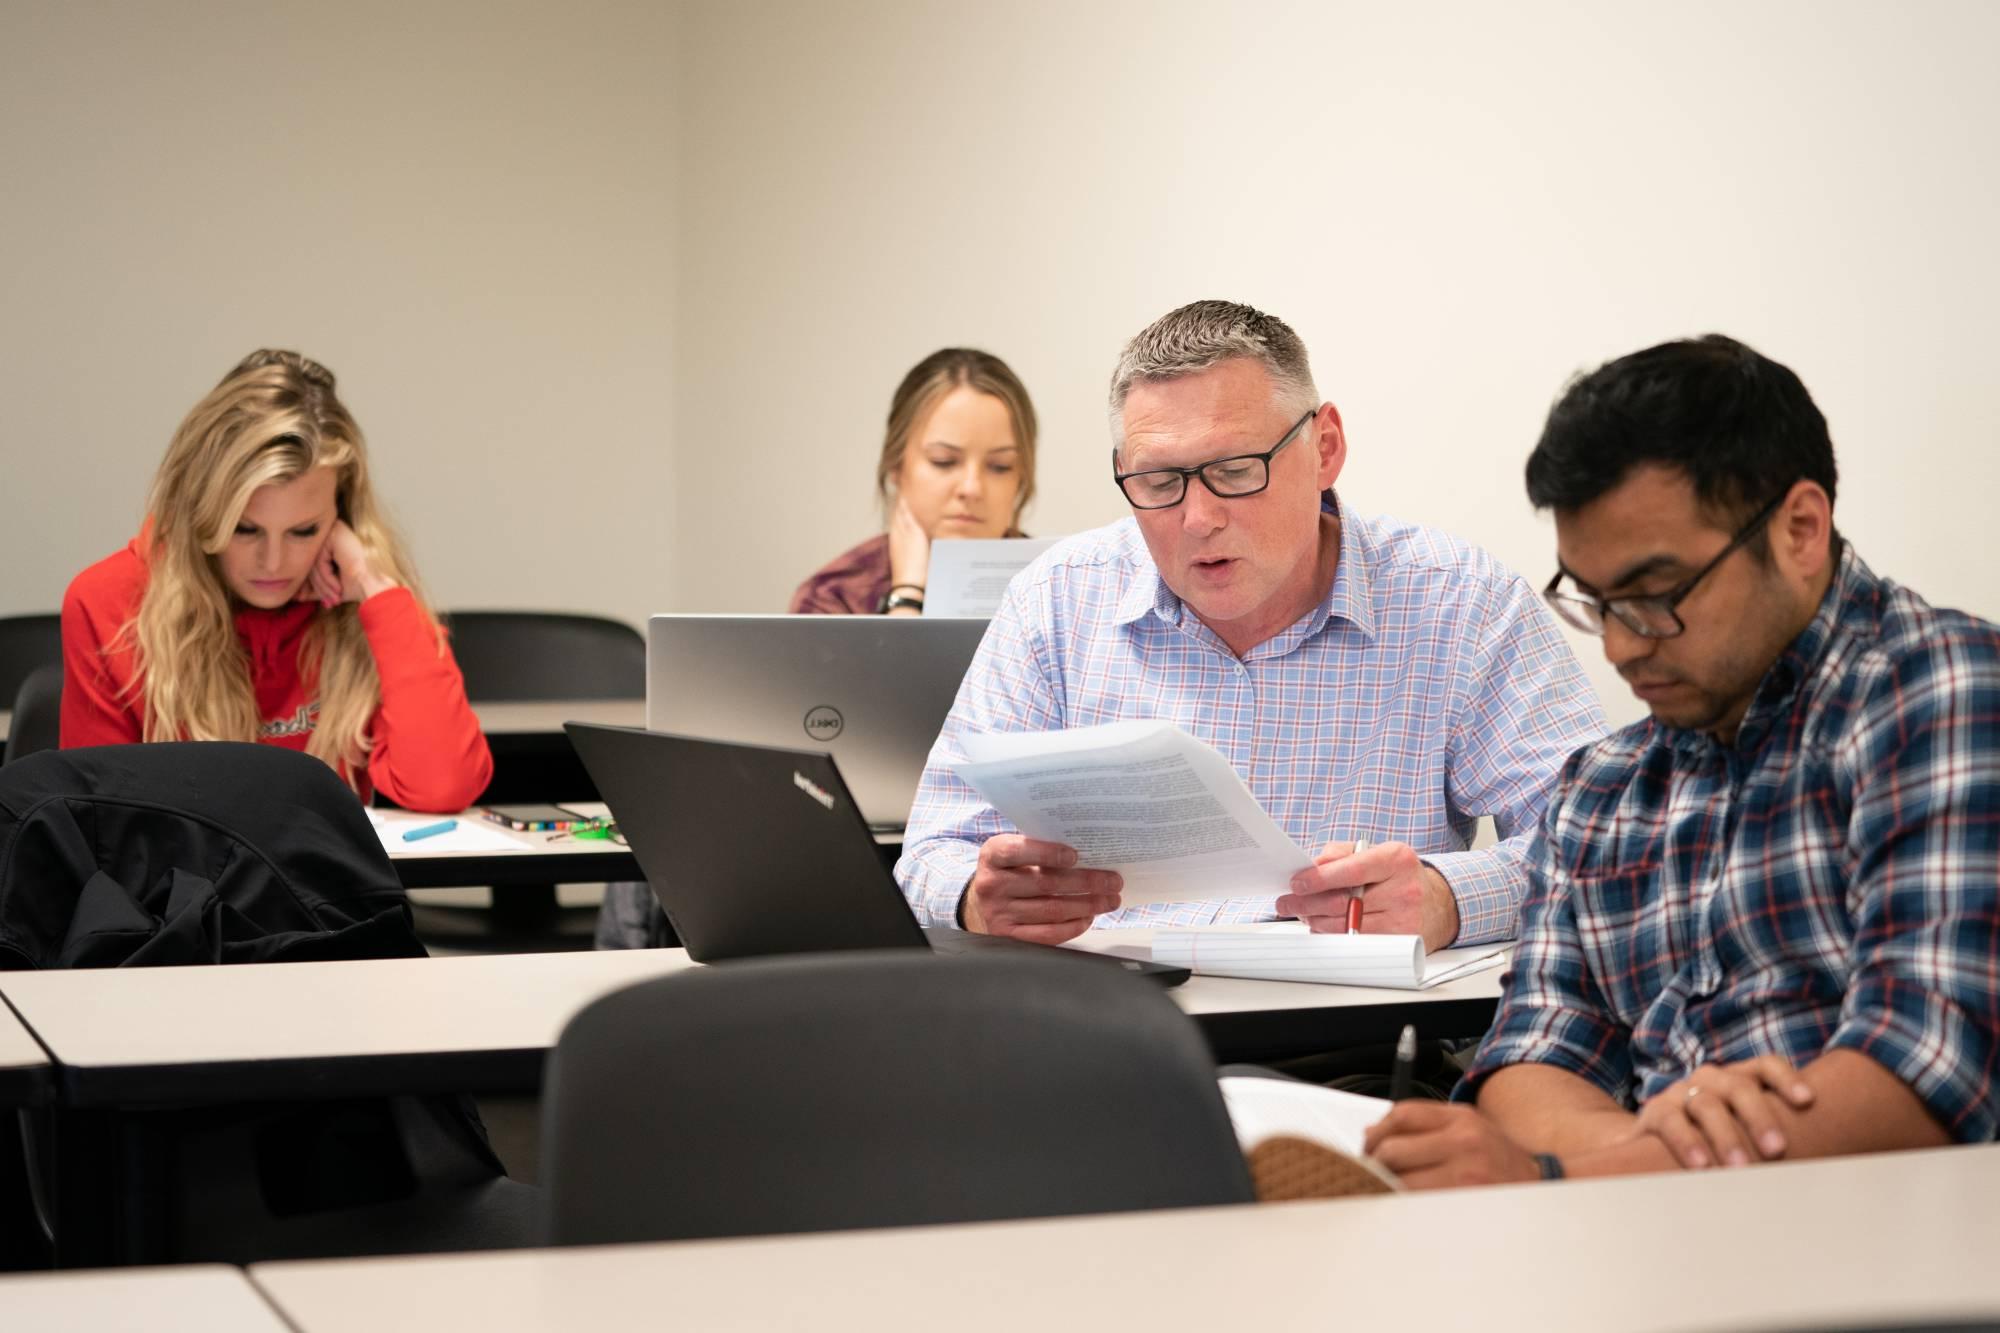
(958, 460)
(265, 599)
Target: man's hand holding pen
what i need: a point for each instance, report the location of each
(1400, 895)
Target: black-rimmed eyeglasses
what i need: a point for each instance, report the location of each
(1651, 617)
(1231, 478)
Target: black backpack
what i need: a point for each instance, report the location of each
(209, 852)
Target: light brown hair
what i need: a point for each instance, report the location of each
(928, 382)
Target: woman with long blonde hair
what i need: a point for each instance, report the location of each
(266, 599)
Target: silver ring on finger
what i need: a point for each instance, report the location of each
(1692, 1090)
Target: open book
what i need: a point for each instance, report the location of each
(1163, 809)
(1289, 951)
(1304, 1141)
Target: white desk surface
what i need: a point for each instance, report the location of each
(1775, 1247)
(508, 718)
(18, 1049)
(504, 718)
(521, 843)
(153, 1016)
(197, 1298)
(25, 1071)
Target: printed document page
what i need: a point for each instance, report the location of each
(1145, 799)
(967, 577)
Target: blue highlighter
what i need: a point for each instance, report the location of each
(430, 830)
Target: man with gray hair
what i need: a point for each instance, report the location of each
(1367, 678)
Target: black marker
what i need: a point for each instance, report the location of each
(1404, 1070)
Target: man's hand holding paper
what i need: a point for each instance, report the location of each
(1034, 890)
(1154, 814)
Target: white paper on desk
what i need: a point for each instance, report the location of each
(1263, 1108)
(1289, 951)
(471, 835)
(968, 577)
(1163, 809)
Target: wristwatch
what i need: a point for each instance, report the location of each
(904, 595)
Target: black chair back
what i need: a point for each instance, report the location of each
(528, 655)
(878, 1088)
(37, 720)
(27, 642)
(212, 852)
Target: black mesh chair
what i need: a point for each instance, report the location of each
(522, 657)
(27, 642)
(525, 655)
(37, 720)
(878, 1088)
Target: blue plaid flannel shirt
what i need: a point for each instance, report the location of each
(1428, 688)
(1827, 882)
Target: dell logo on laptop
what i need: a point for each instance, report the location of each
(824, 722)
(812, 789)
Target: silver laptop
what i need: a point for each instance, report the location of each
(872, 691)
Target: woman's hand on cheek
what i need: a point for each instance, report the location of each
(345, 568)
(322, 582)
(909, 548)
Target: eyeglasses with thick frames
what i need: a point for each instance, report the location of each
(1651, 617)
(1230, 478)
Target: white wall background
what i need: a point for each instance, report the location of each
(620, 292)
(466, 209)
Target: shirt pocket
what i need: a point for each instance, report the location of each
(1625, 931)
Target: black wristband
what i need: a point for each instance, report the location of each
(1549, 1165)
(898, 598)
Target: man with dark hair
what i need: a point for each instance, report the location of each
(1761, 923)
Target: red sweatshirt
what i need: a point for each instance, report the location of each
(428, 752)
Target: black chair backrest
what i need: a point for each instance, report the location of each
(37, 720)
(878, 1088)
(27, 642)
(526, 655)
(190, 852)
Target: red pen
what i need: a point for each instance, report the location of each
(1354, 903)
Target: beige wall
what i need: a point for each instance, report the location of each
(1458, 206)
(620, 291)
(465, 209)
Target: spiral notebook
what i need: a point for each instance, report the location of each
(1288, 951)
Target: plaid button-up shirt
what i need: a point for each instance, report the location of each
(1428, 688)
(1826, 882)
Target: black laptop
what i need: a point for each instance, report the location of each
(756, 850)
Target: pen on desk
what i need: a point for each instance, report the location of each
(1354, 902)
(430, 830)
(1405, 1068)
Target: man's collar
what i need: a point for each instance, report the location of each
(1147, 591)
(1853, 585)
(1352, 596)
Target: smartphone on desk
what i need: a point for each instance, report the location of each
(535, 818)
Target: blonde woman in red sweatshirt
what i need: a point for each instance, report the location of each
(265, 599)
